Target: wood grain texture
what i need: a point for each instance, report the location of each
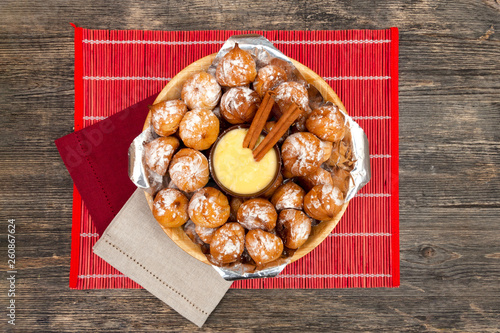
(449, 168)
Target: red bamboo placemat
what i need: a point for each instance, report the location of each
(115, 69)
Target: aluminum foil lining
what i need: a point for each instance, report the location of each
(141, 176)
(234, 275)
(262, 50)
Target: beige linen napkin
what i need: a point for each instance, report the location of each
(136, 245)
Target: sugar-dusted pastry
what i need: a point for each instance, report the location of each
(199, 129)
(238, 105)
(268, 78)
(284, 65)
(302, 153)
(268, 127)
(201, 91)
(318, 177)
(209, 208)
(294, 227)
(205, 234)
(292, 92)
(236, 68)
(158, 153)
(323, 202)
(288, 195)
(170, 208)
(263, 246)
(257, 214)
(189, 170)
(167, 115)
(228, 243)
(275, 186)
(327, 122)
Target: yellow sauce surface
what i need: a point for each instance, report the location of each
(235, 167)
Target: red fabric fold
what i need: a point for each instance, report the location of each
(97, 160)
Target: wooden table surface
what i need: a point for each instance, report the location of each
(449, 168)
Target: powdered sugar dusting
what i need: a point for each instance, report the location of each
(199, 129)
(204, 205)
(292, 197)
(304, 151)
(235, 98)
(201, 91)
(327, 122)
(236, 68)
(228, 242)
(257, 214)
(158, 155)
(206, 234)
(268, 78)
(319, 177)
(164, 202)
(189, 170)
(296, 223)
(332, 193)
(263, 246)
(168, 114)
(292, 92)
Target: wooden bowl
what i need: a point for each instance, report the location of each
(173, 91)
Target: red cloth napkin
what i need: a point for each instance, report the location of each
(97, 160)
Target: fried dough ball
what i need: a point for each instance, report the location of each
(235, 204)
(236, 68)
(170, 208)
(318, 177)
(285, 66)
(268, 127)
(294, 227)
(228, 243)
(292, 92)
(327, 150)
(315, 98)
(158, 153)
(257, 214)
(189, 170)
(302, 153)
(209, 208)
(288, 195)
(275, 186)
(268, 78)
(199, 129)
(166, 116)
(327, 122)
(205, 234)
(340, 179)
(323, 202)
(263, 246)
(238, 105)
(201, 91)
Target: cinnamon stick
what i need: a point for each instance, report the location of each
(279, 129)
(259, 121)
(256, 118)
